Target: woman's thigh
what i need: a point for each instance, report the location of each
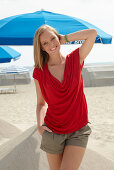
(72, 157)
(54, 160)
(74, 150)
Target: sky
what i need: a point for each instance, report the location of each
(98, 12)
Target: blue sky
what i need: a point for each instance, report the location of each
(97, 12)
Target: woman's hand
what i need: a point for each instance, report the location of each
(42, 128)
(62, 39)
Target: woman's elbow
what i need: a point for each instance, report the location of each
(94, 32)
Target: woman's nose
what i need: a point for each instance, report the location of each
(51, 44)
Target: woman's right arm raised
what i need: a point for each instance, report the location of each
(40, 108)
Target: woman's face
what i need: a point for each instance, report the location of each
(50, 42)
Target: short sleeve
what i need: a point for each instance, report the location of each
(76, 58)
(35, 74)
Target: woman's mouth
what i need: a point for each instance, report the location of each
(53, 49)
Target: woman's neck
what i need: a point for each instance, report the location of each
(56, 60)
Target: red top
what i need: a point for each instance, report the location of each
(67, 107)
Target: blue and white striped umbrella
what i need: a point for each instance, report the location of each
(7, 54)
(20, 29)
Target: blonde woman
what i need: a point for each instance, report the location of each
(59, 84)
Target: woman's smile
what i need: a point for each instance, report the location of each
(53, 49)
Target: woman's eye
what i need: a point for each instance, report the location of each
(53, 38)
(45, 43)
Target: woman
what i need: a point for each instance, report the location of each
(58, 80)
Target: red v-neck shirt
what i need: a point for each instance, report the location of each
(67, 109)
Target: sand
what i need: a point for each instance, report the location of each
(19, 110)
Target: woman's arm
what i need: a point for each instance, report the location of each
(89, 35)
(41, 105)
(40, 109)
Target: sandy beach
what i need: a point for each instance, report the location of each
(19, 109)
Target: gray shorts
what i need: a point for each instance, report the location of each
(54, 143)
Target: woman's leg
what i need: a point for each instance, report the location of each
(54, 161)
(72, 157)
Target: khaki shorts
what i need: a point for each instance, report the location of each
(54, 143)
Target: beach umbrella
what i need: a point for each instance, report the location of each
(20, 29)
(7, 54)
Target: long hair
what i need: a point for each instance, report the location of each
(41, 57)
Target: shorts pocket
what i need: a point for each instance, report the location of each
(47, 138)
(43, 132)
(86, 130)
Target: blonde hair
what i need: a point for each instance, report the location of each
(41, 57)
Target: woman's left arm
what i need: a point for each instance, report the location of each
(89, 35)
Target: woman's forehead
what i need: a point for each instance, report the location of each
(46, 34)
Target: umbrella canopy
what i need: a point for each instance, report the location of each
(7, 54)
(20, 29)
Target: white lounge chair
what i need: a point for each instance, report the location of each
(7, 90)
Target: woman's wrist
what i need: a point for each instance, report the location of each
(66, 38)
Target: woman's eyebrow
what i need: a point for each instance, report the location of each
(46, 40)
(43, 42)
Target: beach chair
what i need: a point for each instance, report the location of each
(5, 86)
(7, 90)
(11, 76)
(98, 75)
